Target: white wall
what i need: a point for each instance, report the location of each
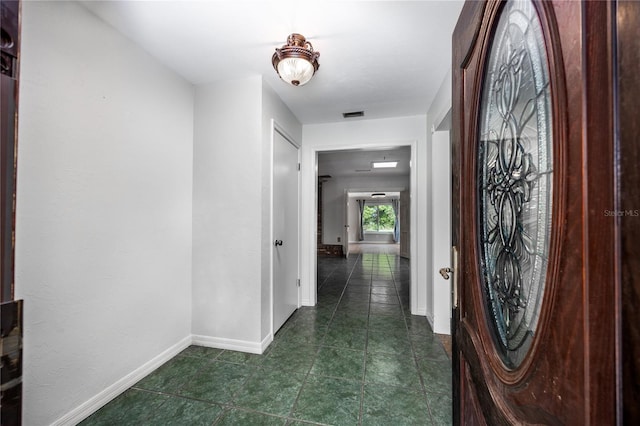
(231, 211)
(439, 190)
(354, 220)
(366, 134)
(103, 227)
(333, 200)
(227, 173)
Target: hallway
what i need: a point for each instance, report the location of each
(357, 358)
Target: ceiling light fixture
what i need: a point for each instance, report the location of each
(384, 164)
(296, 62)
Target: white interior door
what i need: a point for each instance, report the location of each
(285, 229)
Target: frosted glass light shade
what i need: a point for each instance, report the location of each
(296, 61)
(295, 71)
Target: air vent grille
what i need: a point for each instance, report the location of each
(353, 114)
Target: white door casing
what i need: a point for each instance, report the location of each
(345, 236)
(405, 224)
(309, 180)
(285, 228)
(441, 173)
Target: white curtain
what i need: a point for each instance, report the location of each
(361, 221)
(396, 228)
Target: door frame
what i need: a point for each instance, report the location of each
(310, 262)
(627, 105)
(275, 127)
(440, 297)
(346, 229)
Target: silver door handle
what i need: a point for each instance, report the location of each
(277, 243)
(445, 272)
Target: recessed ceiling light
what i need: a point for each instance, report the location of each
(384, 164)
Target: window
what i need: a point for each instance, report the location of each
(378, 218)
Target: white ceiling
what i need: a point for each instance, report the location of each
(368, 196)
(384, 57)
(358, 162)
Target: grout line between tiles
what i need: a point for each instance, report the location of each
(338, 299)
(306, 377)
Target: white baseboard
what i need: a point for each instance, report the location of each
(89, 407)
(83, 411)
(421, 312)
(232, 344)
(431, 321)
(266, 342)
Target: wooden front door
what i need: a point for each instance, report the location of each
(535, 214)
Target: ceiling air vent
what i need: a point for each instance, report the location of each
(353, 114)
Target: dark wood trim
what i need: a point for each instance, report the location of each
(9, 89)
(628, 204)
(10, 309)
(10, 52)
(466, 30)
(473, 415)
(600, 228)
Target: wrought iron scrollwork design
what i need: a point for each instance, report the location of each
(514, 178)
(511, 179)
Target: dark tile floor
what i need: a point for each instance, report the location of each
(357, 358)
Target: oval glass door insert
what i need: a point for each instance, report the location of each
(514, 172)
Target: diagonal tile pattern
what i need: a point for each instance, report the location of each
(357, 358)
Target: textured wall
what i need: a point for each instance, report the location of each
(103, 250)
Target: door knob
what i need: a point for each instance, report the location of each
(445, 272)
(277, 243)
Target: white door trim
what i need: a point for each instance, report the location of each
(309, 201)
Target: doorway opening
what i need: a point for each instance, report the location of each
(357, 204)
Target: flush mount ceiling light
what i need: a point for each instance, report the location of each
(384, 164)
(296, 61)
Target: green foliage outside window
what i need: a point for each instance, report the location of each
(378, 218)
